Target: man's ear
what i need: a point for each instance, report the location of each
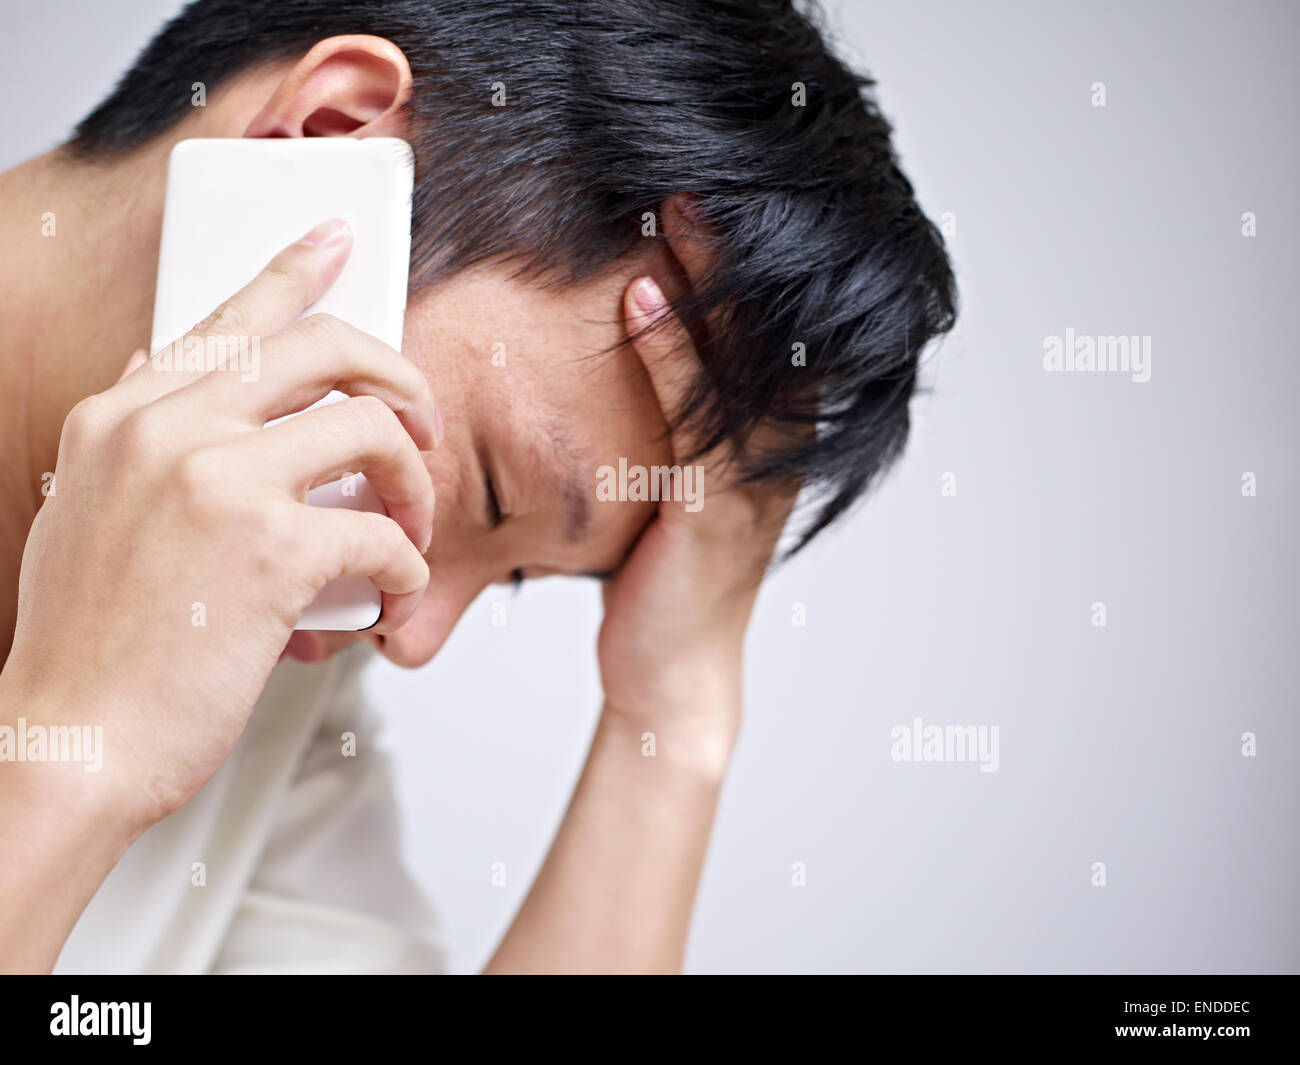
(353, 85)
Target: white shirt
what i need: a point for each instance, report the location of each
(299, 846)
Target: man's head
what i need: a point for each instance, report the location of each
(559, 145)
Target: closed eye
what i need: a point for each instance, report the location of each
(494, 515)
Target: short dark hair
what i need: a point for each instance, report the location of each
(611, 107)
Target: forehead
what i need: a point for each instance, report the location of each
(504, 347)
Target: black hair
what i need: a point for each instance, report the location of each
(610, 107)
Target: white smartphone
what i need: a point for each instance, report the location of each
(231, 205)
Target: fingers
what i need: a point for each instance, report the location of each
(664, 343)
(665, 348)
(674, 367)
(290, 283)
(313, 357)
(358, 435)
(359, 543)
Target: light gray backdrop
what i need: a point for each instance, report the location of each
(1119, 744)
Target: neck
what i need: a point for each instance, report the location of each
(76, 298)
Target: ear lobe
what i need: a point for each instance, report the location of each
(354, 85)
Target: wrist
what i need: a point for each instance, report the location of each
(695, 742)
(56, 766)
(63, 835)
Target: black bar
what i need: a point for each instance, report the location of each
(982, 1014)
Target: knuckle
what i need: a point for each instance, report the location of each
(320, 328)
(86, 421)
(198, 479)
(417, 385)
(405, 373)
(375, 416)
(359, 548)
(279, 269)
(141, 435)
(386, 533)
(229, 318)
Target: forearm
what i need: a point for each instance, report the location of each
(59, 838)
(617, 889)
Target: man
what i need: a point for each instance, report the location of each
(667, 234)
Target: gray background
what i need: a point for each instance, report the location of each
(1119, 744)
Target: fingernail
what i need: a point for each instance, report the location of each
(327, 233)
(649, 297)
(438, 431)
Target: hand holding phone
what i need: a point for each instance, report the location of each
(231, 204)
(165, 572)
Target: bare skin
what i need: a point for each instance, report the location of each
(617, 888)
